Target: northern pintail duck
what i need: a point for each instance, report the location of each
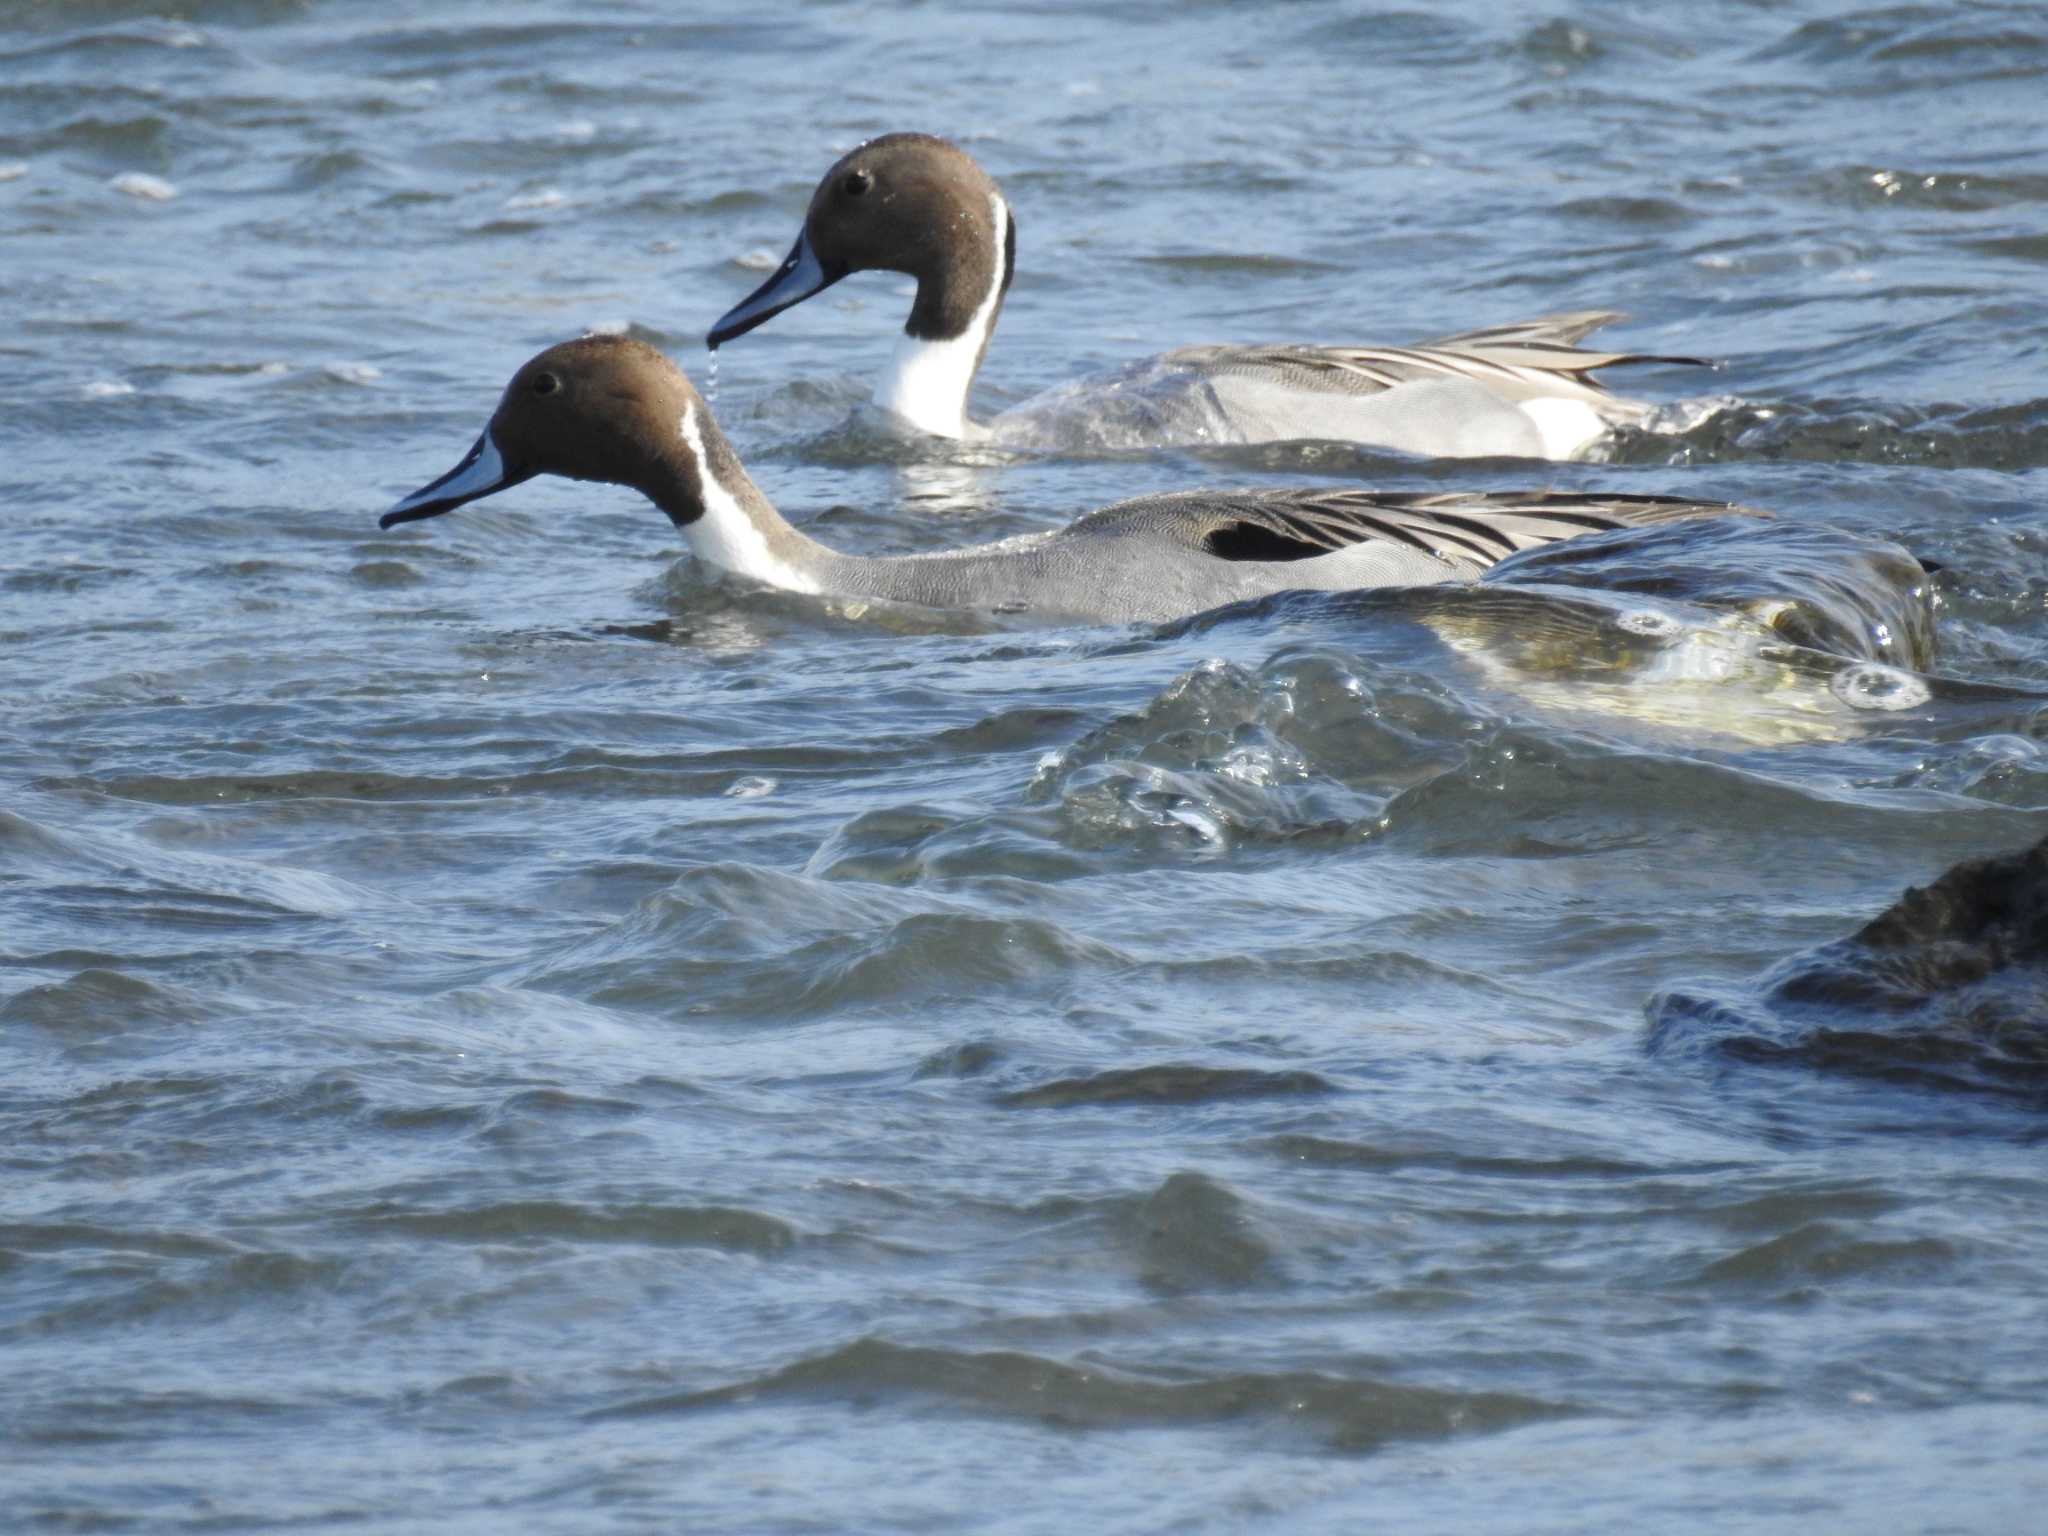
(613, 408)
(911, 203)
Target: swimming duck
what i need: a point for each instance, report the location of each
(615, 409)
(911, 203)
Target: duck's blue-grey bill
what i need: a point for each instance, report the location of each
(481, 472)
(799, 276)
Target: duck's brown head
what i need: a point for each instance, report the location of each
(905, 202)
(598, 408)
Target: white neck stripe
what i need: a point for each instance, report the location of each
(725, 536)
(927, 381)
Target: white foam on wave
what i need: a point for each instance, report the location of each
(1873, 685)
(1648, 621)
(153, 189)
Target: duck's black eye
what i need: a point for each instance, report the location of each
(856, 183)
(544, 384)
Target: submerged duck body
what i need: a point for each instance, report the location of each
(911, 203)
(614, 409)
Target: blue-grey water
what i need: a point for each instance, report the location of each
(504, 1032)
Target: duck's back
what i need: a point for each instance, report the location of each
(1524, 390)
(1157, 558)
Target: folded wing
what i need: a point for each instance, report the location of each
(1528, 360)
(1468, 531)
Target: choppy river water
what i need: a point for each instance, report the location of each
(503, 1032)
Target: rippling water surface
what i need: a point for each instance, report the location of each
(504, 1032)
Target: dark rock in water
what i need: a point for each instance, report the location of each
(1983, 916)
(1947, 986)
